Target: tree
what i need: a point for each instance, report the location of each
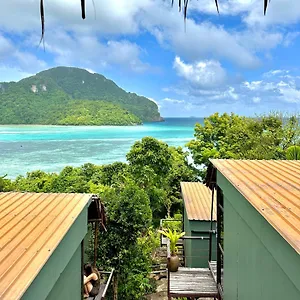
(129, 216)
(232, 136)
(159, 169)
(6, 185)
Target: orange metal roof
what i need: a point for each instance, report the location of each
(32, 225)
(273, 188)
(197, 199)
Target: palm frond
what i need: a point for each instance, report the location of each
(83, 9)
(42, 13)
(182, 5)
(266, 6)
(217, 6)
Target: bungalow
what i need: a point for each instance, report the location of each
(41, 244)
(259, 224)
(199, 222)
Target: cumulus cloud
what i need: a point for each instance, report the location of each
(279, 11)
(117, 16)
(272, 90)
(204, 74)
(8, 74)
(72, 40)
(173, 100)
(17, 62)
(286, 90)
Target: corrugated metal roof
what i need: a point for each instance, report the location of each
(197, 199)
(32, 225)
(273, 188)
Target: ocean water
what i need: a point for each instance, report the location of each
(51, 148)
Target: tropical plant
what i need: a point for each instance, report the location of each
(173, 236)
(293, 153)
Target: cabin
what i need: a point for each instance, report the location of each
(199, 221)
(258, 234)
(258, 212)
(42, 244)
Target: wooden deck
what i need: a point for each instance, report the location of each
(192, 282)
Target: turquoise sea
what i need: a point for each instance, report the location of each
(50, 148)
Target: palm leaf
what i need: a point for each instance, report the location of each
(42, 13)
(83, 9)
(185, 4)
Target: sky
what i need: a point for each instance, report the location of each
(238, 61)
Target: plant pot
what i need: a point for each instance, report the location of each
(173, 264)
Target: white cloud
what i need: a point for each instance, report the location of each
(113, 17)
(279, 12)
(72, 39)
(175, 101)
(203, 74)
(273, 90)
(17, 62)
(5, 47)
(8, 73)
(198, 41)
(290, 38)
(88, 52)
(282, 88)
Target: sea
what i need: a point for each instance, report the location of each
(25, 148)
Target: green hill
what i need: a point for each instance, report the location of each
(55, 97)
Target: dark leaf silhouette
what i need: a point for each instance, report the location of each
(42, 12)
(83, 9)
(181, 3)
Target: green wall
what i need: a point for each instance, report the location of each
(65, 261)
(197, 251)
(68, 285)
(258, 264)
(187, 243)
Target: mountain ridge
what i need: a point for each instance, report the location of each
(59, 89)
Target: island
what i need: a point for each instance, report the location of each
(72, 96)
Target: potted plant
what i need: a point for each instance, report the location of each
(173, 236)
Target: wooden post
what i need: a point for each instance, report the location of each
(82, 270)
(168, 262)
(96, 242)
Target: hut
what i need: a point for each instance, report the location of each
(41, 244)
(199, 224)
(259, 206)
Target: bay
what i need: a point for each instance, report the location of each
(25, 148)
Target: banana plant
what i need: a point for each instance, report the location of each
(173, 236)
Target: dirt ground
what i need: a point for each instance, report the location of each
(161, 291)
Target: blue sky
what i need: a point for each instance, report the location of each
(238, 61)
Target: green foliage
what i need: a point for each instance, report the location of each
(51, 97)
(173, 236)
(149, 152)
(293, 153)
(6, 185)
(232, 136)
(159, 169)
(174, 224)
(132, 193)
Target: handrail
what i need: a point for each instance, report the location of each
(107, 283)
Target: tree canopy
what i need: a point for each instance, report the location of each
(237, 137)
